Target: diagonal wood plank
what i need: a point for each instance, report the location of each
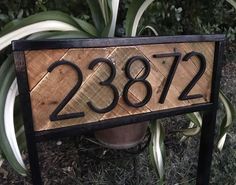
(38, 62)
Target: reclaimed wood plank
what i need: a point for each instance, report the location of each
(38, 62)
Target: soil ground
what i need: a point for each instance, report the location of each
(76, 160)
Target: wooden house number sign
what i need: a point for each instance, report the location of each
(69, 87)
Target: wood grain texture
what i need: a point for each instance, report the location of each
(48, 89)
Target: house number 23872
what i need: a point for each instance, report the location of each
(131, 81)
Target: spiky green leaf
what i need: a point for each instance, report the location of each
(114, 6)
(157, 148)
(39, 17)
(49, 25)
(59, 35)
(148, 27)
(230, 116)
(195, 118)
(7, 76)
(194, 126)
(87, 27)
(9, 121)
(96, 15)
(134, 14)
(232, 2)
(105, 9)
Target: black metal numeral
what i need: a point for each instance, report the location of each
(54, 116)
(177, 57)
(134, 80)
(184, 95)
(107, 82)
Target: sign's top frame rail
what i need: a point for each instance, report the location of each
(22, 45)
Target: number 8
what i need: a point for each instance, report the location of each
(139, 79)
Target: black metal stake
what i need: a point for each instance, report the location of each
(27, 116)
(209, 122)
(34, 162)
(206, 148)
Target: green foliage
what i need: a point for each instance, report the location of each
(192, 17)
(157, 149)
(167, 17)
(134, 14)
(227, 121)
(39, 17)
(232, 2)
(14, 9)
(97, 16)
(7, 75)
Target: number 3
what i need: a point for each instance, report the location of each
(107, 82)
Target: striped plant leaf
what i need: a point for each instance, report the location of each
(7, 76)
(105, 9)
(194, 126)
(227, 122)
(148, 27)
(49, 25)
(114, 6)
(134, 14)
(39, 17)
(9, 121)
(59, 35)
(157, 148)
(232, 2)
(87, 27)
(97, 16)
(1, 159)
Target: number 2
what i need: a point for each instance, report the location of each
(54, 116)
(184, 95)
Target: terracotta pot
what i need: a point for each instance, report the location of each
(122, 137)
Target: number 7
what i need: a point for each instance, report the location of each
(177, 57)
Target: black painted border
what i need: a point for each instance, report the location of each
(22, 45)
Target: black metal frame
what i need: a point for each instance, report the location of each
(207, 136)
